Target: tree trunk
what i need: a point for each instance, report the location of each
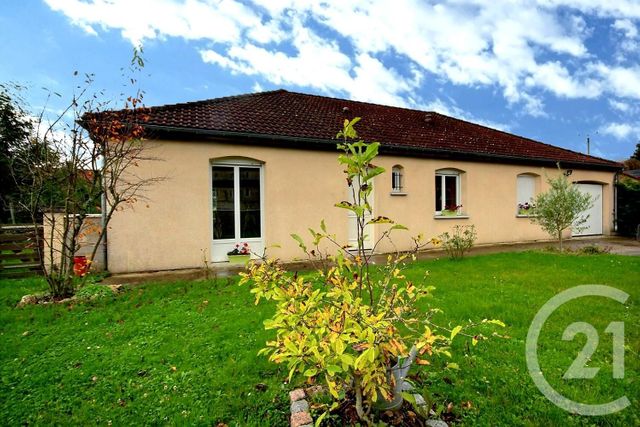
(12, 211)
(560, 240)
(359, 409)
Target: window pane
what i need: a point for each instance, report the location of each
(451, 192)
(396, 179)
(223, 207)
(438, 193)
(249, 202)
(526, 188)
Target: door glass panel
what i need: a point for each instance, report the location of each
(223, 202)
(450, 192)
(249, 202)
(438, 193)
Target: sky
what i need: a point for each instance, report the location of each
(558, 71)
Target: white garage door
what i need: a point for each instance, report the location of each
(594, 223)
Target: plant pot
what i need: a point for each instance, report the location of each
(399, 372)
(525, 212)
(238, 259)
(80, 265)
(449, 213)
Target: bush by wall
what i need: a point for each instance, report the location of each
(628, 207)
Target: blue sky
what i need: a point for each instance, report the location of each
(553, 70)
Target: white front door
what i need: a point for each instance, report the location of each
(593, 226)
(353, 220)
(237, 207)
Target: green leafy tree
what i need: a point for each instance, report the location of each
(15, 130)
(633, 162)
(628, 207)
(561, 207)
(353, 325)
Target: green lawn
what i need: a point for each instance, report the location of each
(185, 352)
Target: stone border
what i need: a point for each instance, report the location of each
(300, 416)
(45, 299)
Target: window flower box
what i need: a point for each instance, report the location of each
(238, 259)
(447, 212)
(240, 254)
(526, 209)
(452, 210)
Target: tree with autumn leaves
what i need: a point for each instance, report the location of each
(79, 162)
(354, 326)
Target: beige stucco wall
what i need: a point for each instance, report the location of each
(53, 234)
(172, 228)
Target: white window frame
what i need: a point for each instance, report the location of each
(220, 247)
(520, 188)
(397, 186)
(442, 173)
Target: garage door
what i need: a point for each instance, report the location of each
(593, 226)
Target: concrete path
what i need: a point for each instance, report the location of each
(615, 245)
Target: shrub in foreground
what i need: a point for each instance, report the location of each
(351, 325)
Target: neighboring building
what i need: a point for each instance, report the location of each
(256, 168)
(632, 173)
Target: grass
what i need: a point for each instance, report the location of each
(185, 352)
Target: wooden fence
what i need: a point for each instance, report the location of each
(19, 254)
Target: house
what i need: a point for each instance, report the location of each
(255, 168)
(633, 174)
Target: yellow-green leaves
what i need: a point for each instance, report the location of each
(300, 241)
(344, 324)
(367, 356)
(455, 332)
(333, 369)
(494, 322)
(310, 372)
(348, 131)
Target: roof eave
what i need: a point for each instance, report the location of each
(172, 132)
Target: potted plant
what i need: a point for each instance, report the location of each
(525, 209)
(240, 254)
(451, 210)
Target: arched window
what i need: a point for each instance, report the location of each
(397, 179)
(448, 192)
(526, 192)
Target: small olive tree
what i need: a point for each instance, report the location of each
(353, 325)
(561, 207)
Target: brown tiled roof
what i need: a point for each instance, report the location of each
(300, 117)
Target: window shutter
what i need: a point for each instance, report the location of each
(526, 188)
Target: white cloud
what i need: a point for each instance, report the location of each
(620, 130)
(621, 81)
(623, 107)
(627, 27)
(557, 79)
(214, 57)
(627, 45)
(602, 8)
(141, 20)
(257, 87)
(521, 48)
(449, 108)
